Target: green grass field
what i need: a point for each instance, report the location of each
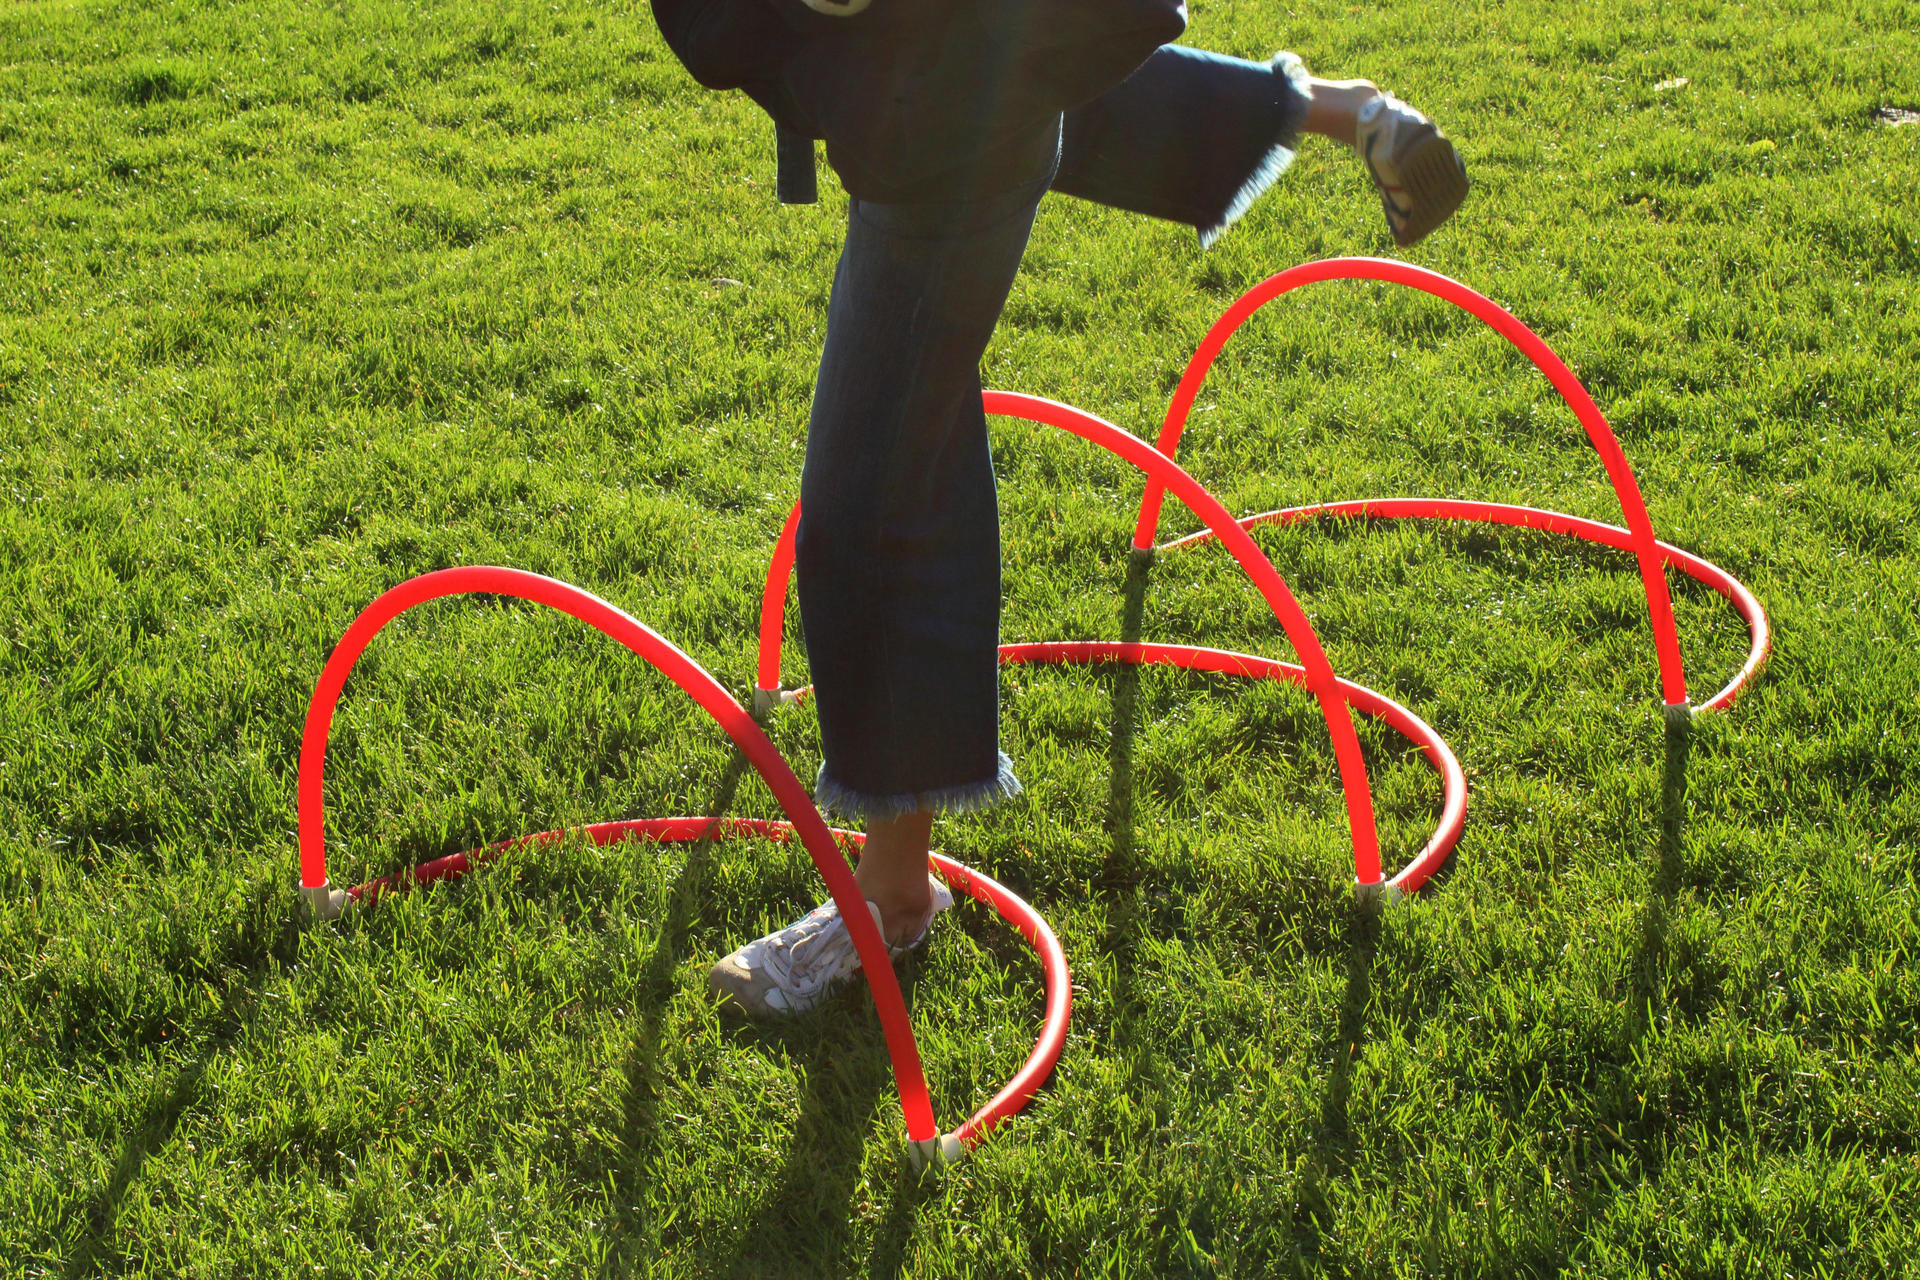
(299, 300)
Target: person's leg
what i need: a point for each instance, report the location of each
(898, 556)
(893, 873)
(1333, 107)
(1196, 137)
(898, 561)
(1190, 137)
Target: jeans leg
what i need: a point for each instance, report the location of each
(899, 542)
(1191, 136)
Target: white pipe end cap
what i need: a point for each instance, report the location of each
(324, 901)
(945, 1149)
(1377, 894)
(765, 700)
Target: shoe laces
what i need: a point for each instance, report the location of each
(819, 946)
(818, 940)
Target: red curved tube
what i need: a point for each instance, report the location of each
(1645, 547)
(657, 830)
(1453, 781)
(1759, 630)
(1053, 1032)
(773, 602)
(1193, 657)
(692, 678)
(1012, 908)
(1161, 469)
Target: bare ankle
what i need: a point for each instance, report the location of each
(901, 922)
(893, 873)
(1333, 107)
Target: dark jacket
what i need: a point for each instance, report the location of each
(921, 99)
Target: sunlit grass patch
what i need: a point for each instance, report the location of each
(297, 302)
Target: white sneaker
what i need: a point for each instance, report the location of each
(796, 968)
(1420, 176)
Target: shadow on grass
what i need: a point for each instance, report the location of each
(1331, 1154)
(1650, 962)
(266, 939)
(635, 1240)
(148, 1135)
(1332, 1151)
(1122, 874)
(910, 1191)
(1334, 1144)
(803, 1225)
(1122, 869)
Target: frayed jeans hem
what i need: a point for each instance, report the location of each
(836, 798)
(1279, 158)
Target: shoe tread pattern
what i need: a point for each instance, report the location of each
(1435, 179)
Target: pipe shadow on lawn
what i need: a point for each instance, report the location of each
(1122, 881)
(269, 940)
(1122, 873)
(1333, 1147)
(635, 1237)
(145, 1139)
(1650, 959)
(1334, 1144)
(1123, 866)
(848, 1073)
(1649, 980)
(802, 1225)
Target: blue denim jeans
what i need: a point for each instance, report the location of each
(899, 543)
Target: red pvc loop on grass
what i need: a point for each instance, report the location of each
(1453, 781)
(1318, 675)
(1644, 546)
(1011, 907)
(1759, 631)
(692, 678)
(1053, 1032)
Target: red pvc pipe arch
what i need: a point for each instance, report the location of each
(1009, 905)
(1759, 630)
(1453, 780)
(1337, 698)
(1644, 546)
(1164, 472)
(707, 692)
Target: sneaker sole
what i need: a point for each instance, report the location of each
(1435, 179)
(736, 987)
